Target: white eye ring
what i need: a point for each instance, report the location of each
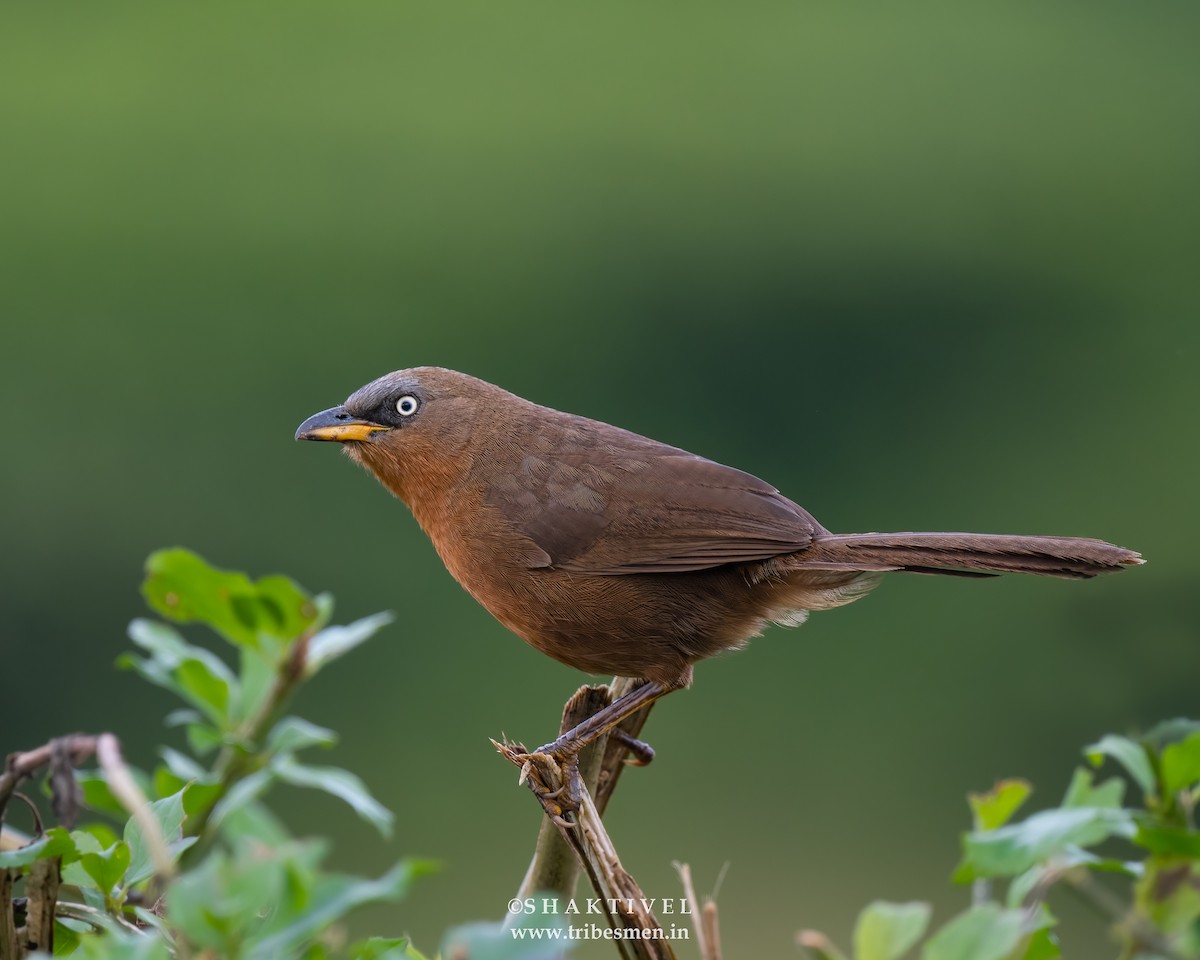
(407, 405)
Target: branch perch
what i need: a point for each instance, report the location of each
(564, 848)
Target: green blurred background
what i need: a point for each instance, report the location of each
(925, 266)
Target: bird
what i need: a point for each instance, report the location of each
(614, 553)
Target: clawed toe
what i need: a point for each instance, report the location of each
(641, 753)
(542, 768)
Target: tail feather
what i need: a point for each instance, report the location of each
(969, 554)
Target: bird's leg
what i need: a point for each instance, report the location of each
(641, 753)
(563, 753)
(598, 724)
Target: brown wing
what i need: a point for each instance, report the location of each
(622, 504)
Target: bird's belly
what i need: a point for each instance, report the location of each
(645, 625)
(651, 625)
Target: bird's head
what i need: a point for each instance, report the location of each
(411, 428)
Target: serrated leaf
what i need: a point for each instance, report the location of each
(1168, 841)
(257, 677)
(85, 842)
(253, 820)
(1013, 849)
(197, 796)
(1130, 755)
(204, 906)
(286, 605)
(106, 867)
(1168, 731)
(193, 673)
(183, 587)
(332, 899)
(55, 842)
(1083, 792)
(247, 789)
(1024, 885)
(496, 941)
(385, 948)
(185, 715)
(205, 689)
(183, 766)
(886, 931)
(996, 807)
(337, 641)
(96, 794)
(292, 734)
(203, 739)
(169, 814)
(1181, 764)
(167, 646)
(338, 783)
(66, 939)
(1043, 945)
(985, 932)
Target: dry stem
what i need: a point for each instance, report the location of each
(585, 840)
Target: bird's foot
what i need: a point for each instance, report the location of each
(552, 776)
(551, 765)
(640, 752)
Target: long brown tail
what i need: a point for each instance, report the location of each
(967, 554)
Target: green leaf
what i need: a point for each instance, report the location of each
(1181, 764)
(255, 821)
(339, 783)
(286, 605)
(1024, 885)
(385, 948)
(119, 943)
(1168, 731)
(995, 808)
(198, 675)
(100, 834)
(204, 688)
(55, 842)
(1132, 756)
(246, 790)
(66, 940)
(1083, 793)
(96, 794)
(217, 904)
(496, 941)
(197, 796)
(167, 646)
(182, 717)
(259, 669)
(886, 931)
(183, 766)
(84, 842)
(985, 932)
(1168, 841)
(334, 642)
(1043, 945)
(292, 734)
(332, 899)
(107, 867)
(1013, 849)
(203, 739)
(183, 587)
(170, 815)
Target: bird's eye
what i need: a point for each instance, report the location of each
(407, 405)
